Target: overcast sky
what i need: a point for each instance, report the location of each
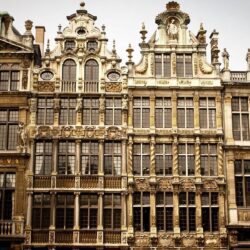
(123, 19)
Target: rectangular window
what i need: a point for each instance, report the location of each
(141, 159)
(141, 211)
(113, 111)
(90, 157)
(207, 112)
(185, 112)
(88, 211)
(64, 211)
(186, 159)
(41, 211)
(163, 112)
(66, 157)
(112, 158)
(162, 65)
(184, 66)
(43, 158)
(7, 189)
(141, 112)
(163, 159)
(9, 120)
(240, 116)
(90, 111)
(9, 80)
(187, 211)
(208, 159)
(45, 111)
(210, 212)
(68, 111)
(242, 182)
(112, 211)
(164, 211)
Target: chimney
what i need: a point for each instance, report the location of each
(40, 32)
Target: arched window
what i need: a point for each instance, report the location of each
(69, 76)
(91, 71)
(69, 71)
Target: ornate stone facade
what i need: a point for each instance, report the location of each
(149, 156)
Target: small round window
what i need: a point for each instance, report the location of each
(113, 76)
(47, 75)
(81, 31)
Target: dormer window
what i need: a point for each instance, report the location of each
(70, 45)
(184, 65)
(92, 46)
(162, 65)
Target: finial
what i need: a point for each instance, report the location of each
(130, 51)
(82, 4)
(48, 48)
(143, 32)
(201, 26)
(103, 28)
(59, 28)
(114, 49)
(173, 6)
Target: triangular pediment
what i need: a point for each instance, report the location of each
(7, 45)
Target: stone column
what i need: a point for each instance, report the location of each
(130, 213)
(130, 112)
(124, 157)
(152, 156)
(219, 114)
(130, 157)
(176, 212)
(78, 157)
(33, 110)
(101, 152)
(32, 152)
(100, 219)
(152, 112)
(53, 210)
(220, 159)
(54, 161)
(199, 228)
(29, 210)
(153, 214)
(222, 211)
(228, 119)
(196, 113)
(56, 111)
(197, 158)
(79, 111)
(175, 157)
(124, 211)
(174, 111)
(173, 64)
(101, 110)
(76, 218)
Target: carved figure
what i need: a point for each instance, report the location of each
(172, 30)
(225, 56)
(23, 135)
(125, 102)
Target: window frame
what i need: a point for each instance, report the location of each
(114, 111)
(188, 158)
(144, 158)
(141, 112)
(90, 111)
(162, 65)
(67, 114)
(45, 105)
(10, 81)
(165, 115)
(206, 121)
(188, 122)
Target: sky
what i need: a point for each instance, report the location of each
(123, 20)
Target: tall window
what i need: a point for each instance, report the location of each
(141, 209)
(91, 77)
(184, 65)
(9, 79)
(240, 116)
(88, 211)
(186, 159)
(185, 112)
(141, 112)
(90, 157)
(112, 158)
(141, 159)
(163, 112)
(207, 113)
(64, 211)
(66, 157)
(43, 158)
(242, 182)
(8, 129)
(164, 211)
(210, 211)
(7, 189)
(187, 211)
(68, 111)
(41, 211)
(91, 111)
(208, 159)
(112, 211)
(45, 111)
(113, 111)
(162, 65)
(69, 71)
(163, 159)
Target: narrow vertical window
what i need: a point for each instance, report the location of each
(163, 112)
(162, 65)
(207, 112)
(45, 111)
(113, 111)
(185, 112)
(68, 111)
(90, 111)
(208, 159)
(186, 159)
(141, 159)
(91, 77)
(141, 112)
(184, 66)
